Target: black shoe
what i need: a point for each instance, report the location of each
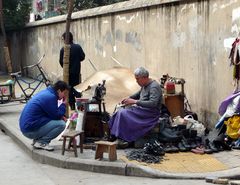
(121, 144)
(72, 106)
(210, 145)
(207, 148)
(221, 145)
(170, 148)
(236, 147)
(185, 144)
(192, 143)
(174, 148)
(112, 138)
(166, 136)
(181, 147)
(154, 148)
(167, 148)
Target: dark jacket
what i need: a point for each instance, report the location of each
(76, 56)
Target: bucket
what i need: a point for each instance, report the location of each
(169, 87)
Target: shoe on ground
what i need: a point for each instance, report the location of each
(198, 150)
(170, 148)
(181, 147)
(33, 142)
(43, 146)
(121, 144)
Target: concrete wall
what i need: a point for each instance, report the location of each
(184, 38)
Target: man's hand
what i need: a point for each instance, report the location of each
(64, 100)
(64, 118)
(129, 101)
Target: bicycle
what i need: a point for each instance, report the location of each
(32, 85)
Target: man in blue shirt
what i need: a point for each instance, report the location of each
(42, 117)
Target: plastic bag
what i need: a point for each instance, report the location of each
(193, 124)
(233, 126)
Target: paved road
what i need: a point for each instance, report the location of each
(18, 168)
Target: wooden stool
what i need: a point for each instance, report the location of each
(72, 134)
(108, 147)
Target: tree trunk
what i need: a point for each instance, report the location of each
(7, 58)
(6, 53)
(67, 49)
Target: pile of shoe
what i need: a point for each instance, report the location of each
(154, 148)
(209, 147)
(140, 156)
(152, 152)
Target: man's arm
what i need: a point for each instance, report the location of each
(136, 95)
(61, 57)
(82, 54)
(154, 98)
(50, 105)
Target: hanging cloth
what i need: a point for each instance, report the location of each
(235, 61)
(233, 126)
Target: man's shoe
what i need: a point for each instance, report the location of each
(213, 147)
(43, 146)
(72, 106)
(33, 143)
(170, 148)
(185, 144)
(181, 147)
(112, 138)
(121, 144)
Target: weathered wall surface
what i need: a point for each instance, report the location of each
(184, 38)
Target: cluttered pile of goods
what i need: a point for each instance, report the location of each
(176, 130)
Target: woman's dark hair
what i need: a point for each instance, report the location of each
(70, 37)
(61, 85)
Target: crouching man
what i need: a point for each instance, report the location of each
(42, 118)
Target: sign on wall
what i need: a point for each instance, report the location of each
(5, 90)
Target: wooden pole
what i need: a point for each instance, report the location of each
(66, 55)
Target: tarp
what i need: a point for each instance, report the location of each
(120, 83)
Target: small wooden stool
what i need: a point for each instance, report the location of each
(108, 147)
(72, 134)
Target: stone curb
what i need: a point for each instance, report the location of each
(126, 169)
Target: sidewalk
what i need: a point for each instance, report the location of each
(9, 115)
(9, 123)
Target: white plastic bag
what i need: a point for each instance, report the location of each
(195, 125)
(79, 121)
(79, 125)
(66, 127)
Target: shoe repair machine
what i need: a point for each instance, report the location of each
(7, 89)
(95, 116)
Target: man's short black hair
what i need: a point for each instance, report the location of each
(61, 85)
(70, 37)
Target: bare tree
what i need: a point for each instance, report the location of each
(7, 58)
